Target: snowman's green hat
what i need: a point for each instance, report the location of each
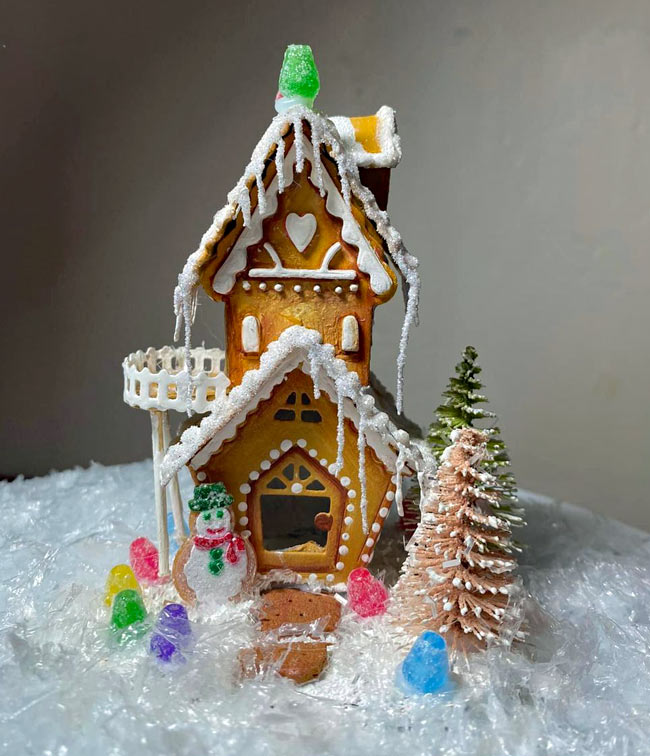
(299, 82)
(210, 496)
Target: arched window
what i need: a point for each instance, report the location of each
(296, 504)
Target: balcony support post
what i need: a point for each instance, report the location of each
(173, 488)
(158, 451)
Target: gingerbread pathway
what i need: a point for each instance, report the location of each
(287, 613)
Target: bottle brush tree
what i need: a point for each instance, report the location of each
(457, 578)
(462, 408)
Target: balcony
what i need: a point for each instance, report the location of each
(155, 379)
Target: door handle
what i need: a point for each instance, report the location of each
(323, 521)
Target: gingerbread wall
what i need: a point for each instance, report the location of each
(311, 302)
(263, 444)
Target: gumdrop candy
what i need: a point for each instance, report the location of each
(426, 667)
(128, 609)
(175, 539)
(174, 623)
(163, 649)
(299, 82)
(299, 75)
(119, 579)
(172, 634)
(367, 596)
(143, 556)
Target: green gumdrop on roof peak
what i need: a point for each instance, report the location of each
(299, 75)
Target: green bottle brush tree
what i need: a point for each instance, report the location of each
(461, 408)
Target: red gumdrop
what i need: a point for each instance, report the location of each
(143, 556)
(367, 596)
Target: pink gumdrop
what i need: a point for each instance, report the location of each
(144, 560)
(367, 596)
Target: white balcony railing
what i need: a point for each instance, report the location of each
(154, 379)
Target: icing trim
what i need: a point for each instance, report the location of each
(317, 274)
(300, 229)
(368, 260)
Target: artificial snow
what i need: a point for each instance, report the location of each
(577, 686)
(323, 133)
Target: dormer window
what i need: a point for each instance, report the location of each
(290, 410)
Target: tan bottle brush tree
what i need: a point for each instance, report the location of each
(457, 578)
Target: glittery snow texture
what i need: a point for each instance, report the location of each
(578, 685)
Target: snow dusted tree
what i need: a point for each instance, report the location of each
(460, 410)
(457, 578)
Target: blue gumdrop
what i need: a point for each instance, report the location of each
(426, 668)
(174, 542)
(163, 649)
(174, 624)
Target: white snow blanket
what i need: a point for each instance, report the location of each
(578, 686)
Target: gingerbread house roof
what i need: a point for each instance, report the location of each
(297, 347)
(232, 259)
(351, 144)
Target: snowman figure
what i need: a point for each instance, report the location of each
(214, 562)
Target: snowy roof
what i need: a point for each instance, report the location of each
(348, 154)
(297, 347)
(369, 260)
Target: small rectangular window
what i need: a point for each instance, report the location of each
(285, 414)
(310, 416)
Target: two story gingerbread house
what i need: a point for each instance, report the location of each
(301, 255)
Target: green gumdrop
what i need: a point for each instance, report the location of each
(299, 75)
(128, 608)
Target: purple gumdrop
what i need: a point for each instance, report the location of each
(162, 648)
(173, 623)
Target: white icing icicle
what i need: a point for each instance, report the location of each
(279, 165)
(340, 430)
(363, 500)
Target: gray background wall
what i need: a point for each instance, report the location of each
(524, 190)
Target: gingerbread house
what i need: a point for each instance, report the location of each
(301, 255)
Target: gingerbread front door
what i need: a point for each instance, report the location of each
(296, 511)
